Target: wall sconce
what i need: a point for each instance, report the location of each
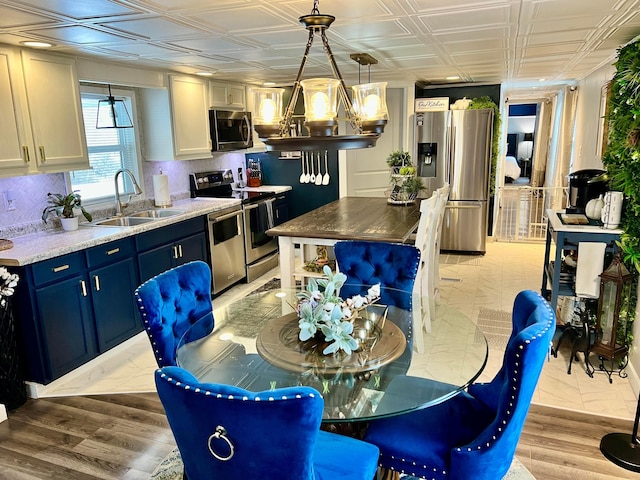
(613, 309)
(113, 113)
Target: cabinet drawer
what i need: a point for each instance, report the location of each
(169, 234)
(58, 268)
(110, 252)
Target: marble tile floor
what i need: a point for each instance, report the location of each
(468, 283)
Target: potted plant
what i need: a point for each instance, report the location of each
(405, 185)
(62, 206)
(400, 163)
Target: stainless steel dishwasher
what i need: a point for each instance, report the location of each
(226, 241)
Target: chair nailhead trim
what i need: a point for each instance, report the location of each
(228, 397)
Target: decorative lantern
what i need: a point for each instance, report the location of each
(613, 309)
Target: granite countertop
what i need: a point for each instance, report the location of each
(264, 188)
(44, 245)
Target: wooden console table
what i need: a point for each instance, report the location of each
(348, 218)
(567, 237)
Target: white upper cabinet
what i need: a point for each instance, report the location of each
(40, 114)
(190, 116)
(176, 122)
(227, 96)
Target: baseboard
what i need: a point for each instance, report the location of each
(39, 390)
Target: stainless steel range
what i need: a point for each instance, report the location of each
(260, 250)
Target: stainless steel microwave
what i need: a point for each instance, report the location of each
(230, 130)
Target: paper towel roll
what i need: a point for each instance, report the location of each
(161, 191)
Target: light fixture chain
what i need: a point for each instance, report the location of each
(291, 106)
(354, 120)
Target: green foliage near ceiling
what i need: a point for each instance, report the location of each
(622, 155)
(482, 103)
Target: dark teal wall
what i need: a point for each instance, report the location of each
(305, 196)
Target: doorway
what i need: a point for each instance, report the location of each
(521, 130)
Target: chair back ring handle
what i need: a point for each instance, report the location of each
(221, 433)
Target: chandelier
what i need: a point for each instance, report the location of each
(367, 113)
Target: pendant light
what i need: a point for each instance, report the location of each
(321, 97)
(113, 113)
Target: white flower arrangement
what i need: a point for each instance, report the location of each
(320, 308)
(8, 282)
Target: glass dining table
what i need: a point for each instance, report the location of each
(255, 346)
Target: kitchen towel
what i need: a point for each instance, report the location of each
(161, 190)
(590, 265)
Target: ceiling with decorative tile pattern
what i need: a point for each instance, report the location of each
(516, 42)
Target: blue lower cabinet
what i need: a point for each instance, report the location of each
(114, 308)
(72, 308)
(164, 248)
(65, 329)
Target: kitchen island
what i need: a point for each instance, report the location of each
(348, 218)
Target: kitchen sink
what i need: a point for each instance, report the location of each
(159, 213)
(122, 222)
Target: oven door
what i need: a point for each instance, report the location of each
(258, 218)
(227, 247)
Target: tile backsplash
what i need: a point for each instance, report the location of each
(30, 192)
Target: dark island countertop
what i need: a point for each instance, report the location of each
(354, 218)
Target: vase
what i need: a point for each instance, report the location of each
(69, 224)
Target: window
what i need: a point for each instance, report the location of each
(110, 149)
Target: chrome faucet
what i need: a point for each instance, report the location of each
(138, 190)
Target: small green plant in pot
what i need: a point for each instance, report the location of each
(63, 206)
(400, 163)
(412, 186)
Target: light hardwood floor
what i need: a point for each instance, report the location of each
(126, 436)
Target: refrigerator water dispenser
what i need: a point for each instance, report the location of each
(427, 159)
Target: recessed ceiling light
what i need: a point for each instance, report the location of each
(204, 74)
(37, 44)
(452, 77)
(269, 84)
(541, 79)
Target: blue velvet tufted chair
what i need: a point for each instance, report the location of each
(393, 265)
(474, 435)
(171, 302)
(227, 432)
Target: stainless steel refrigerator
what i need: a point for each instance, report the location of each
(455, 146)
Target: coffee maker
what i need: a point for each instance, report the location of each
(585, 185)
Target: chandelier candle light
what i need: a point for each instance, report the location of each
(367, 114)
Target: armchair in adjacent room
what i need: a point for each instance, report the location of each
(171, 302)
(474, 434)
(230, 433)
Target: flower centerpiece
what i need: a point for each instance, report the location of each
(322, 311)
